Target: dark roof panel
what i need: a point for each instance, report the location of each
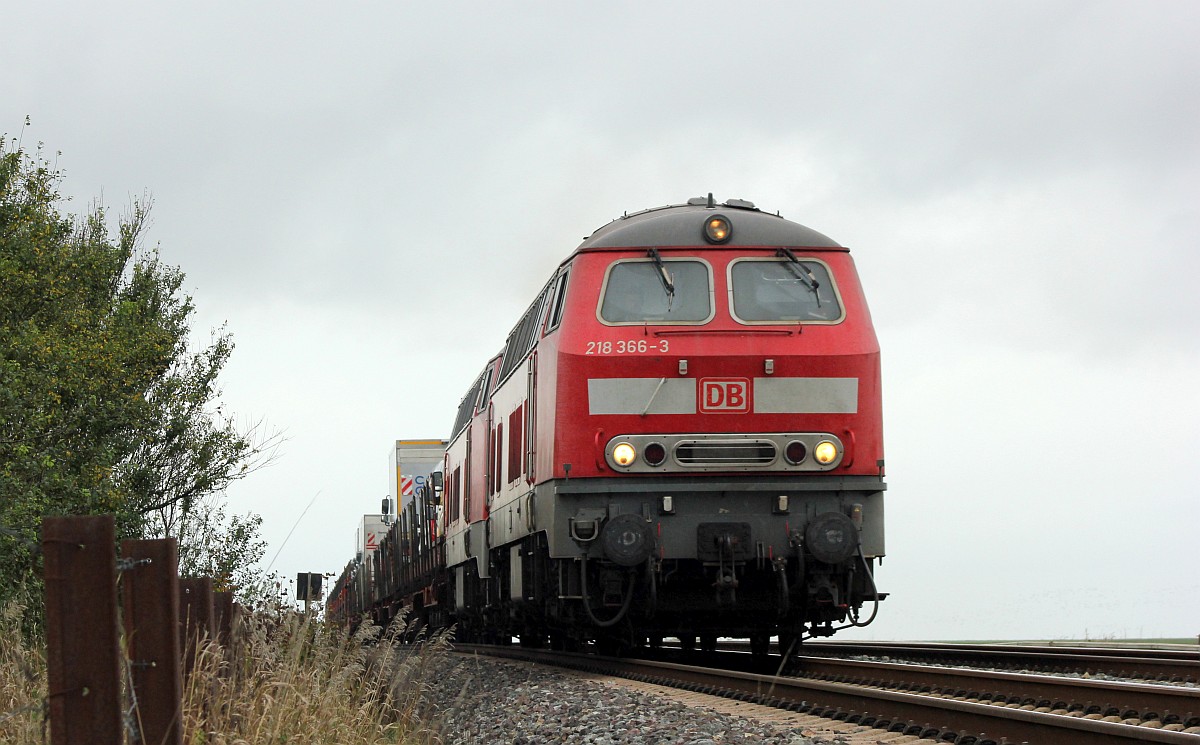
(683, 225)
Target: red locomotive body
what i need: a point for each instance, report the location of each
(681, 437)
(747, 358)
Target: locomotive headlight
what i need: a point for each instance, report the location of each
(624, 454)
(717, 229)
(825, 452)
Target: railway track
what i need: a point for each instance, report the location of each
(949, 705)
(1116, 701)
(1165, 665)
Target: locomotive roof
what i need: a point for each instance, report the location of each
(682, 225)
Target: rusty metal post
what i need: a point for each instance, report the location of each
(83, 659)
(223, 610)
(223, 621)
(236, 635)
(151, 613)
(195, 618)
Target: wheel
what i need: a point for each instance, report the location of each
(759, 644)
(789, 643)
(532, 640)
(611, 646)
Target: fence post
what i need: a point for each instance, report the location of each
(83, 663)
(223, 623)
(151, 614)
(223, 610)
(195, 618)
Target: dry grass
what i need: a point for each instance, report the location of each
(300, 681)
(289, 679)
(22, 680)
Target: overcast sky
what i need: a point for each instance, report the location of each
(369, 195)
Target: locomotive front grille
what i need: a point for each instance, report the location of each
(725, 453)
(698, 453)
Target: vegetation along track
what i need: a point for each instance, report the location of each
(945, 712)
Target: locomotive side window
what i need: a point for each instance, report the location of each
(489, 387)
(466, 408)
(515, 444)
(557, 304)
(635, 291)
(783, 291)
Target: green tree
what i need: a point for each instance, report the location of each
(103, 407)
(227, 548)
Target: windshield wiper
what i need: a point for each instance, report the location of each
(668, 282)
(802, 272)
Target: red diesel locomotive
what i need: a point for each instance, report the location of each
(681, 437)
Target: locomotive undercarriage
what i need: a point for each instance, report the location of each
(634, 575)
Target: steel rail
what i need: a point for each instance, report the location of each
(1168, 652)
(937, 718)
(1166, 665)
(1120, 698)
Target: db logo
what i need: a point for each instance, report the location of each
(724, 396)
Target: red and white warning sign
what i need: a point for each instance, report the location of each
(370, 534)
(406, 486)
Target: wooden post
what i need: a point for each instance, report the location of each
(151, 615)
(84, 669)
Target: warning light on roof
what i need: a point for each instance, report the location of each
(717, 229)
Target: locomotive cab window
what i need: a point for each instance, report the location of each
(779, 290)
(641, 291)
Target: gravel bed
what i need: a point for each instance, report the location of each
(478, 701)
